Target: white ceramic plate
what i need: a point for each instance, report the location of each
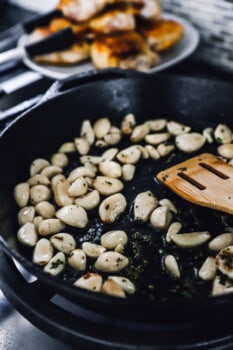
(186, 46)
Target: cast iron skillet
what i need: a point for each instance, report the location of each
(112, 93)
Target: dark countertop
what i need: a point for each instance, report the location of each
(11, 15)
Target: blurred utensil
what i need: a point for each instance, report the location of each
(19, 108)
(55, 42)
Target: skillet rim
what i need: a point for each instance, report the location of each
(62, 88)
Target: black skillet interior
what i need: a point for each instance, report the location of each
(110, 93)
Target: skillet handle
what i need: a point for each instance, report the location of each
(90, 76)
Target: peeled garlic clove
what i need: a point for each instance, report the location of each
(26, 214)
(77, 259)
(174, 228)
(119, 248)
(43, 252)
(89, 201)
(67, 147)
(63, 242)
(112, 239)
(164, 149)
(161, 218)
(220, 287)
(61, 195)
(153, 152)
(111, 288)
(112, 207)
(90, 281)
(78, 188)
(144, 204)
(87, 132)
(189, 143)
(139, 132)
(167, 203)
(73, 215)
(124, 283)
(39, 193)
(110, 168)
(51, 171)
(27, 234)
(144, 152)
(91, 159)
(109, 154)
(190, 240)
(90, 182)
(157, 124)
(106, 185)
(37, 220)
(223, 134)
(50, 226)
(37, 165)
(56, 179)
(81, 171)
(56, 265)
(21, 194)
(128, 124)
(39, 179)
(92, 250)
(128, 171)
(45, 209)
(82, 145)
(224, 261)
(60, 160)
(113, 137)
(130, 155)
(208, 133)
(172, 265)
(155, 139)
(208, 269)
(101, 127)
(91, 167)
(221, 241)
(176, 128)
(111, 262)
(226, 150)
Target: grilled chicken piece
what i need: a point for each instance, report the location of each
(161, 35)
(82, 10)
(75, 54)
(115, 20)
(124, 50)
(79, 29)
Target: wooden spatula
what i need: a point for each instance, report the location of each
(204, 180)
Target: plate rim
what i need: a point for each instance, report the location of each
(46, 71)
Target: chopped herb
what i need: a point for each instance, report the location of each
(219, 139)
(151, 287)
(56, 263)
(187, 294)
